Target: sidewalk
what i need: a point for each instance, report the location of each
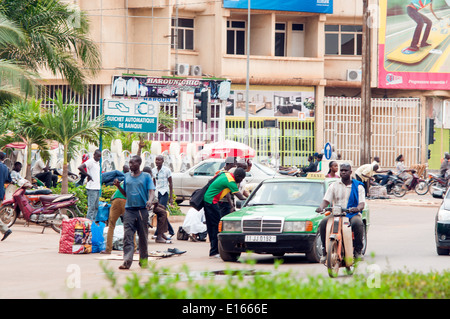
(411, 199)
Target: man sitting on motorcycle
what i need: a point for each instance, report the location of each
(347, 193)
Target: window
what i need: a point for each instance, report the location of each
(236, 37)
(185, 39)
(280, 39)
(343, 39)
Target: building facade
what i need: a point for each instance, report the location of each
(304, 62)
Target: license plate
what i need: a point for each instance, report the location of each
(261, 238)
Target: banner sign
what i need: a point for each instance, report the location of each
(316, 6)
(161, 89)
(132, 115)
(407, 58)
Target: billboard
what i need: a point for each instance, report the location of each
(414, 45)
(272, 101)
(317, 6)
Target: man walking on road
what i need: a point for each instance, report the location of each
(139, 190)
(91, 169)
(5, 177)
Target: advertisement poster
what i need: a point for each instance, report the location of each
(160, 89)
(272, 101)
(414, 44)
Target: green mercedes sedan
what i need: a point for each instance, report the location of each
(277, 218)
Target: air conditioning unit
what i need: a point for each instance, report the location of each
(182, 69)
(354, 75)
(196, 70)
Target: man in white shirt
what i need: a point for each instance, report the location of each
(42, 172)
(91, 168)
(348, 194)
(162, 178)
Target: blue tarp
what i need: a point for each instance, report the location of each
(318, 6)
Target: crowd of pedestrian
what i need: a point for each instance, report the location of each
(139, 192)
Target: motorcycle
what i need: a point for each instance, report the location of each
(339, 242)
(54, 209)
(437, 182)
(393, 182)
(419, 185)
(290, 171)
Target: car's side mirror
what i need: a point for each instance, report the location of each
(438, 194)
(191, 173)
(238, 204)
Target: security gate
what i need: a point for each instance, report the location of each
(395, 129)
(288, 144)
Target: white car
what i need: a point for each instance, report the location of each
(184, 184)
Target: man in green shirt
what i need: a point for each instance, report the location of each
(224, 183)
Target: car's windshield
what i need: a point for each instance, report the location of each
(208, 168)
(265, 169)
(288, 193)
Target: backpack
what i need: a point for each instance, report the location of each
(196, 200)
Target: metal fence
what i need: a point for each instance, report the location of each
(289, 144)
(395, 128)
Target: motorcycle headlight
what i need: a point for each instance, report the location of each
(231, 226)
(444, 215)
(297, 226)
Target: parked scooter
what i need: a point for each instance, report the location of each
(55, 209)
(290, 171)
(393, 182)
(436, 182)
(339, 242)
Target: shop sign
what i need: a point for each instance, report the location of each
(132, 115)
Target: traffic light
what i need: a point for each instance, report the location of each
(201, 109)
(431, 131)
(429, 154)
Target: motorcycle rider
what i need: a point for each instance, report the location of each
(350, 194)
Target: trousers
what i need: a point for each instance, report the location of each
(420, 19)
(117, 210)
(135, 221)
(212, 216)
(357, 228)
(93, 196)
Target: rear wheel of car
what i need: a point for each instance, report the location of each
(228, 256)
(316, 251)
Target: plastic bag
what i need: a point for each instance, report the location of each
(98, 241)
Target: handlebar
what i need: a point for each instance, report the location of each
(339, 211)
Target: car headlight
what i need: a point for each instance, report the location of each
(231, 226)
(297, 226)
(444, 215)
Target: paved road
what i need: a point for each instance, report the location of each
(401, 237)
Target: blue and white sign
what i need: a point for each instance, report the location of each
(327, 151)
(316, 6)
(132, 115)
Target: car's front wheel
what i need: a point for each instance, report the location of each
(228, 256)
(316, 251)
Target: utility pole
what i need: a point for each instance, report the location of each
(366, 95)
